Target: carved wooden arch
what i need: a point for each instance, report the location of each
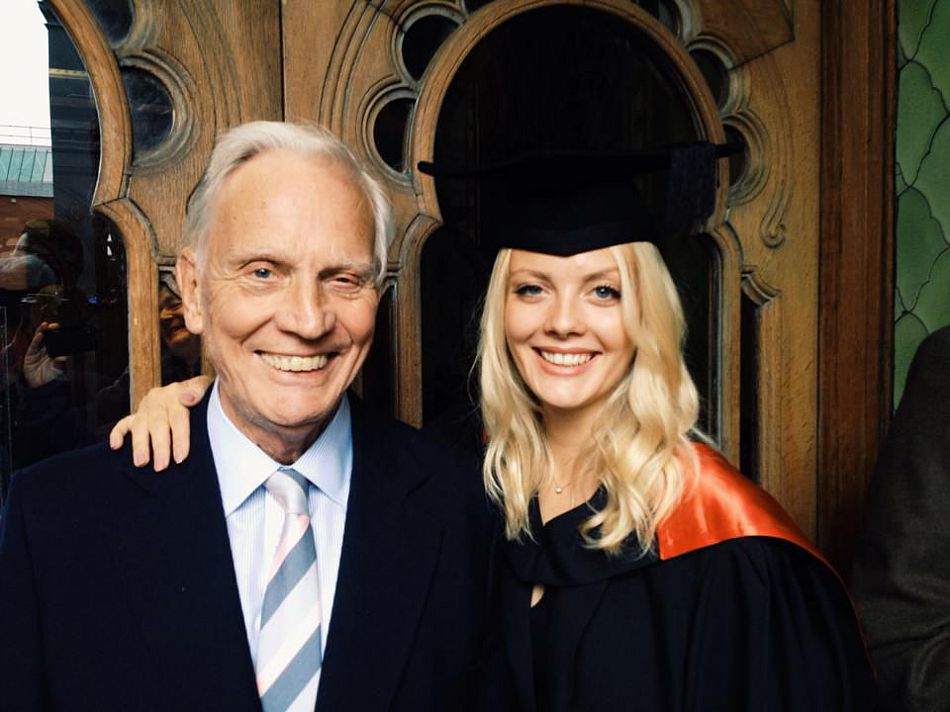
(452, 54)
(417, 201)
(110, 197)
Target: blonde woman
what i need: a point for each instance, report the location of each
(640, 571)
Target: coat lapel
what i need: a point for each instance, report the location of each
(390, 548)
(174, 553)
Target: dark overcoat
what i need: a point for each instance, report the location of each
(117, 586)
(901, 576)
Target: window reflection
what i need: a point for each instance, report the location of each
(63, 302)
(181, 350)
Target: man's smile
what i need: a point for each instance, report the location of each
(294, 363)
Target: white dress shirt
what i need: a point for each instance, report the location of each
(254, 517)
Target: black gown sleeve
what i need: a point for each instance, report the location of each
(772, 629)
(901, 576)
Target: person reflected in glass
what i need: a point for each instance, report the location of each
(46, 314)
(181, 352)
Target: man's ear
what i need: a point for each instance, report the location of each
(186, 272)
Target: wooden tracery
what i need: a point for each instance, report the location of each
(339, 62)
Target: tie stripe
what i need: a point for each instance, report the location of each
(289, 655)
(295, 676)
(300, 560)
(298, 526)
(290, 644)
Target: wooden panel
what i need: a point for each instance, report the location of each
(145, 369)
(856, 301)
(750, 28)
(775, 217)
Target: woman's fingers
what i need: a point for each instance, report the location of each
(119, 431)
(159, 434)
(193, 389)
(191, 392)
(161, 428)
(180, 423)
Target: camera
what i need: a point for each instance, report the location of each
(68, 340)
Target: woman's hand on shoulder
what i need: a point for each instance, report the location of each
(161, 423)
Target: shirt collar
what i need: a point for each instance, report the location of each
(243, 467)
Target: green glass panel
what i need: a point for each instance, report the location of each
(922, 289)
(934, 177)
(933, 48)
(39, 166)
(908, 333)
(912, 18)
(26, 168)
(921, 242)
(6, 155)
(920, 109)
(16, 160)
(899, 308)
(933, 304)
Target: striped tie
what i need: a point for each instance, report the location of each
(288, 655)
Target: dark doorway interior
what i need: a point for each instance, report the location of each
(557, 78)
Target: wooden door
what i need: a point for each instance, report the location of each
(383, 75)
(764, 65)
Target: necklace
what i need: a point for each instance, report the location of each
(559, 488)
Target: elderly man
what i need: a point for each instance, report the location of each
(306, 553)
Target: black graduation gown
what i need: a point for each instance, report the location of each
(750, 623)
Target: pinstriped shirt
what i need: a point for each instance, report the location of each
(254, 517)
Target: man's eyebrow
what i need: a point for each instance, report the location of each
(360, 267)
(352, 264)
(253, 255)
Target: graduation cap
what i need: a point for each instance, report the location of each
(568, 202)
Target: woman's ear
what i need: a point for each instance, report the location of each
(186, 271)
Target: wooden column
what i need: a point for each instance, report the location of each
(857, 256)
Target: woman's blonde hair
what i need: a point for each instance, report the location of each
(639, 445)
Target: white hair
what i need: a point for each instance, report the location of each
(240, 144)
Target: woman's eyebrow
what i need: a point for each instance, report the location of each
(612, 273)
(529, 273)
